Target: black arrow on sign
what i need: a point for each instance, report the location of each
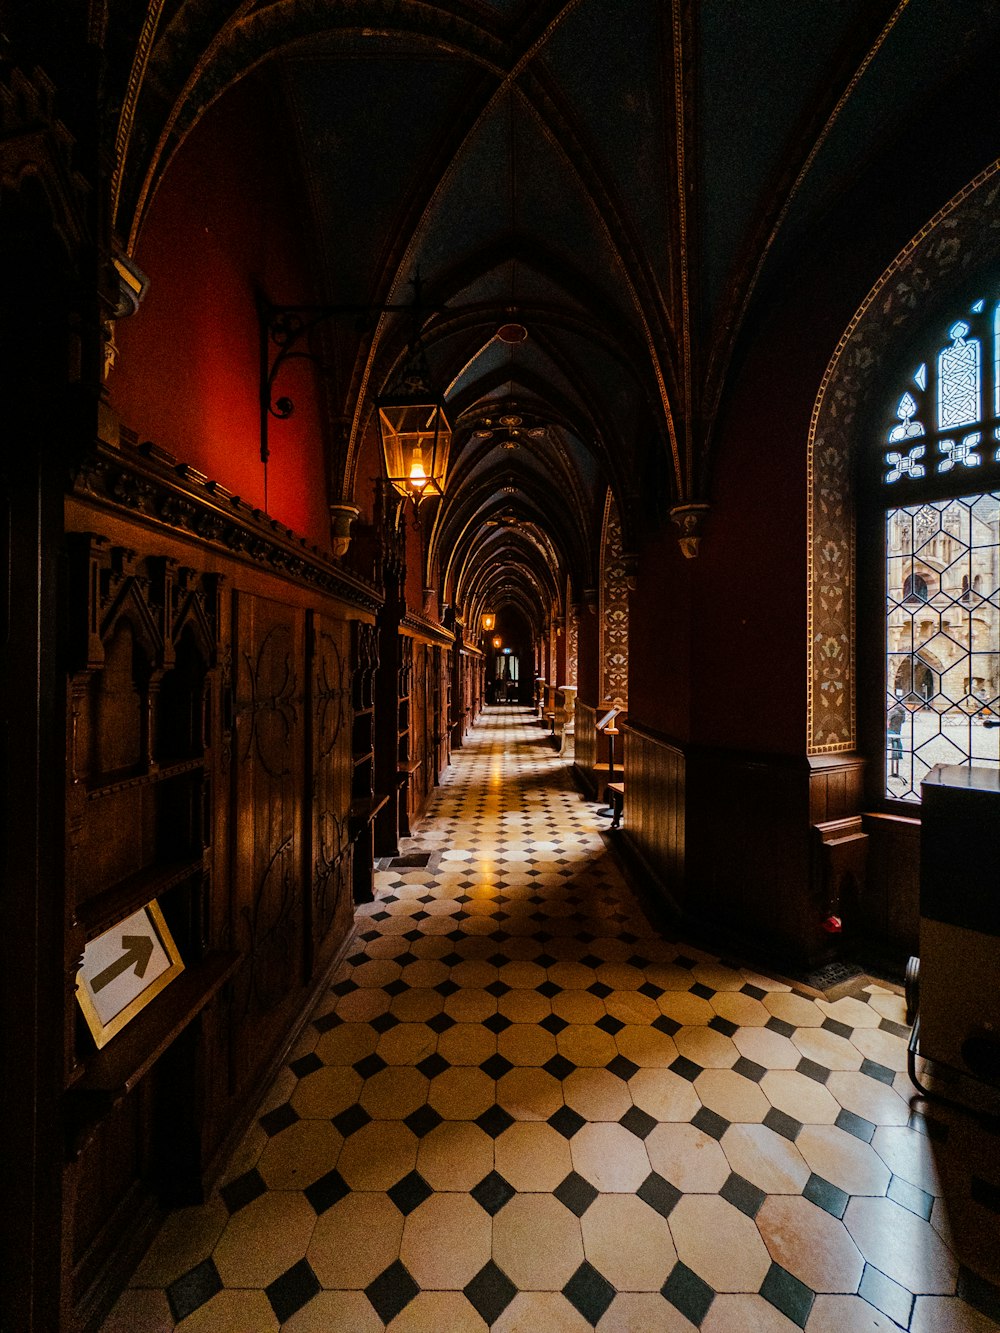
(138, 951)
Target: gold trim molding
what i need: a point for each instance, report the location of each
(959, 240)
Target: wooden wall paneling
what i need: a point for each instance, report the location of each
(116, 1210)
(143, 649)
(655, 810)
(748, 853)
(428, 722)
(330, 767)
(268, 908)
(432, 714)
(420, 732)
(204, 752)
(477, 668)
(391, 747)
(458, 719)
(836, 787)
(585, 744)
(441, 665)
(890, 906)
(405, 736)
(219, 1062)
(840, 844)
(840, 862)
(434, 711)
(366, 803)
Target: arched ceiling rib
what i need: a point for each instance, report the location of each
(622, 181)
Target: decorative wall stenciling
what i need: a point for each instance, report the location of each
(572, 638)
(269, 894)
(613, 611)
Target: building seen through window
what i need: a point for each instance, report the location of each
(942, 675)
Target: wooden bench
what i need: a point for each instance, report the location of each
(614, 794)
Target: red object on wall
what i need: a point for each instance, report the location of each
(223, 226)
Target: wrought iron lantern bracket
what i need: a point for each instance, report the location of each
(285, 333)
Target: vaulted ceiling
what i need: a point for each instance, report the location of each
(596, 195)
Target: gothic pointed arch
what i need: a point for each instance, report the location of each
(959, 242)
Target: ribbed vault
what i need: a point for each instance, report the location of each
(621, 184)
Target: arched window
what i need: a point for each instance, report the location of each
(915, 588)
(939, 461)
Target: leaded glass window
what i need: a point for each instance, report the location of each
(941, 478)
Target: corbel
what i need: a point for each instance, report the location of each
(689, 521)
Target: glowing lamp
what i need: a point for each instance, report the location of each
(489, 622)
(413, 424)
(416, 440)
(497, 641)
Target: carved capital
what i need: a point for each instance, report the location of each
(689, 521)
(342, 515)
(127, 287)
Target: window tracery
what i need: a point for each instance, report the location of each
(962, 238)
(942, 641)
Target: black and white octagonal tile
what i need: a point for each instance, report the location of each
(519, 1107)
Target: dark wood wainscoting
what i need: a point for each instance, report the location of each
(218, 745)
(747, 862)
(890, 908)
(762, 852)
(656, 804)
(585, 746)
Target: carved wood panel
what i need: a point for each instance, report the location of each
(655, 806)
(208, 765)
(585, 728)
(331, 758)
(421, 727)
(268, 908)
(747, 851)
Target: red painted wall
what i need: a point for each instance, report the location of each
(415, 555)
(587, 675)
(659, 650)
(718, 644)
(225, 223)
(748, 582)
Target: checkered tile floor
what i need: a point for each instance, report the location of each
(518, 1107)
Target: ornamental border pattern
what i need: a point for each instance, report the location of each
(958, 241)
(149, 483)
(613, 610)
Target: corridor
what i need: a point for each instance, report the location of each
(518, 1107)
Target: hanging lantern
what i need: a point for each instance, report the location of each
(489, 622)
(413, 423)
(497, 641)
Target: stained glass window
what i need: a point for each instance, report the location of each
(958, 379)
(941, 473)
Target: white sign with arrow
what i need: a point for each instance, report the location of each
(123, 969)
